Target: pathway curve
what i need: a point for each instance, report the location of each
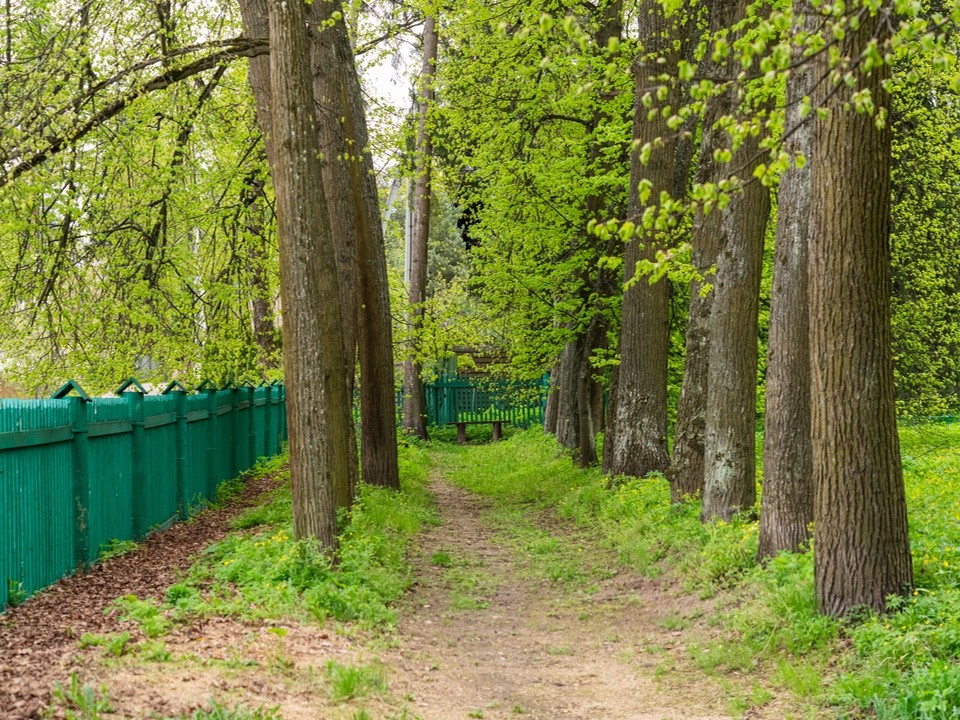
(538, 649)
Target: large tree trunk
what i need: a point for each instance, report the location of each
(729, 479)
(787, 505)
(862, 551)
(346, 129)
(325, 75)
(318, 406)
(639, 445)
(329, 89)
(414, 403)
(730, 421)
(686, 466)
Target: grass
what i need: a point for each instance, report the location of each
(259, 571)
(346, 682)
(472, 586)
(898, 665)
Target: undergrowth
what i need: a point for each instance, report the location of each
(902, 664)
(259, 571)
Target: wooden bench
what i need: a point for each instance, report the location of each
(462, 429)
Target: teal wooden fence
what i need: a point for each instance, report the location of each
(519, 403)
(77, 472)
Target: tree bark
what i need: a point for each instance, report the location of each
(729, 480)
(414, 403)
(318, 407)
(640, 442)
(553, 397)
(261, 311)
(568, 425)
(787, 505)
(687, 463)
(730, 420)
(862, 551)
(343, 115)
(335, 182)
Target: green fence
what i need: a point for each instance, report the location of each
(485, 400)
(77, 472)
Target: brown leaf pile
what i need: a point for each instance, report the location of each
(38, 639)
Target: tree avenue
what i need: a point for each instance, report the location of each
(694, 217)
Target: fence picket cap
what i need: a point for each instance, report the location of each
(129, 385)
(70, 386)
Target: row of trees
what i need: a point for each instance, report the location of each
(616, 158)
(679, 119)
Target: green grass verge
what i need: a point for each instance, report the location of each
(899, 665)
(260, 571)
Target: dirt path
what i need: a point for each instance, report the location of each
(481, 638)
(484, 633)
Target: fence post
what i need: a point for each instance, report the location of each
(268, 444)
(282, 435)
(248, 391)
(134, 401)
(237, 446)
(180, 395)
(81, 481)
(80, 457)
(212, 435)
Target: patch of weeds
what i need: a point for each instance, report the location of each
(475, 714)
(116, 548)
(280, 661)
(153, 651)
(472, 588)
(145, 613)
(661, 670)
(16, 594)
(216, 711)
(739, 705)
(722, 656)
(442, 558)
(116, 645)
(346, 682)
(675, 622)
(77, 701)
(545, 554)
(800, 678)
(267, 574)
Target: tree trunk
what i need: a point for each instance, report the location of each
(325, 75)
(346, 128)
(414, 403)
(640, 444)
(261, 312)
(730, 428)
(610, 431)
(568, 426)
(730, 420)
(586, 394)
(787, 505)
(553, 396)
(687, 466)
(318, 407)
(862, 551)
